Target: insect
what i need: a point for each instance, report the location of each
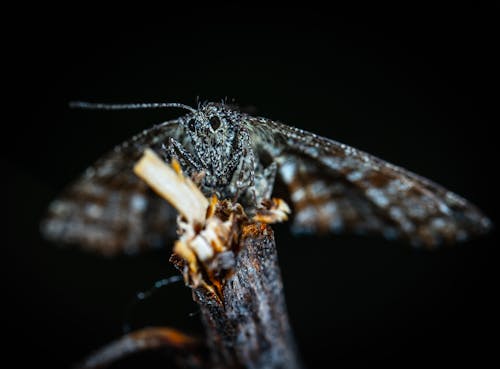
(332, 187)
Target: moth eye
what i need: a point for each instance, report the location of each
(191, 125)
(215, 122)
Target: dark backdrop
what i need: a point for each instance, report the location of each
(417, 87)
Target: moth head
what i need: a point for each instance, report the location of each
(211, 120)
(214, 130)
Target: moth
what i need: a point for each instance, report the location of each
(332, 187)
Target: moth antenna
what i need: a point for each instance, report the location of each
(143, 295)
(99, 106)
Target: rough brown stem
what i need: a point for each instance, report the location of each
(249, 327)
(242, 303)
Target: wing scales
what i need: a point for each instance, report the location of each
(335, 187)
(110, 210)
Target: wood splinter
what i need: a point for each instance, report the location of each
(230, 262)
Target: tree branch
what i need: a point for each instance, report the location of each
(231, 264)
(250, 328)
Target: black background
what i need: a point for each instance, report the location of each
(415, 86)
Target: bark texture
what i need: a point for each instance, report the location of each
(248, 327)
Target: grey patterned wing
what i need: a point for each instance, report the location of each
(336, 188)
(109, 209)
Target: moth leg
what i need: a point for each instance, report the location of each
(243, 178)
(264, 183)
(175, 150)
(259, 188)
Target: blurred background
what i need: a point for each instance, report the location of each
(415, 86)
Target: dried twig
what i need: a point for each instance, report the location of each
(185, 350)
(249, 327)
(230, 262)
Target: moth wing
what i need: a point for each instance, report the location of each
(109, 209)
(336, 188)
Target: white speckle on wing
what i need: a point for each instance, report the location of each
(306, 215)
(332, 162)
(438, 223)
(288, 170)
(396, 213)
(330, 210)
(89, 172)
(415, 209)
(407, 226)
(313, 151)
(350, 162)
(355, 175)
(93, 211)
(444, 208)
(298, 195)
(347, 150)
(398, 186)
(138, 203)
(53, 227)
(378, 197)
(399, 216)
(318, 189)
(454, 199)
